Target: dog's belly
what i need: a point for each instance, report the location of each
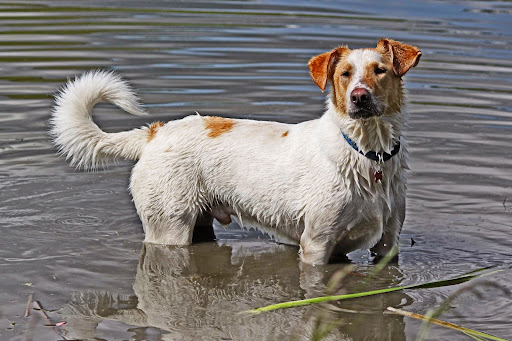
(287, 233)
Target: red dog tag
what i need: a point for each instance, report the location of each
(378, 176)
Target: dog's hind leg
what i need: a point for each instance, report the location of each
(167, 204)
(170, 229)
(173, 222)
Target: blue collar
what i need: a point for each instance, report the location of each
(373, 155)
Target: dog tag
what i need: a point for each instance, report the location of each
(378, 176)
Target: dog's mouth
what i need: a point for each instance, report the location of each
(364, 112)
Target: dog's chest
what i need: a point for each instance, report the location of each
(365, 198)
(362, 219)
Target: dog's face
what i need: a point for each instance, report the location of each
(366, 82)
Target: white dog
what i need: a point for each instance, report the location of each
(331, 185)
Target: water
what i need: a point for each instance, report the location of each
(74, 239)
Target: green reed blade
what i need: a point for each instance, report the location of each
(435, 284)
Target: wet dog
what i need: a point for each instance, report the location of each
(331, 185)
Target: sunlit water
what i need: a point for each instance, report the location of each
(74, 239)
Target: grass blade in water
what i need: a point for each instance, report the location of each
(443, 283)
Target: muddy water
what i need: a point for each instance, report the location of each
(73, 239)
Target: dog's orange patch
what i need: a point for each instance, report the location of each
(153, 129)
(218, 125)
(285, 134)
(340, 83)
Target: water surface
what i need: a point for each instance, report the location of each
(74, 239)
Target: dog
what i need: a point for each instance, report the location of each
(330, 185)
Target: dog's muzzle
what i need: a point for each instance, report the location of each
(363, 104)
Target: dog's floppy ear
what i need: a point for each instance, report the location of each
(403, 56)
(322, 67)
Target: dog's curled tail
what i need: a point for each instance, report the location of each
(75, 133)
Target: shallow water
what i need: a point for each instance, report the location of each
(74, 239)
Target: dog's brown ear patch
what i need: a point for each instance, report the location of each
(403, 56)
(218, 125)
(321, 67)
(153, 129)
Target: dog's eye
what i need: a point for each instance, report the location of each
(380, 70)
(346, 74)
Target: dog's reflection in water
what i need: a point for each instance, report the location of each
(196, 293)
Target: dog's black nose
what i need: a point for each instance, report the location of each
(359, 96)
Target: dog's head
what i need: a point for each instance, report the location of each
(366, 82)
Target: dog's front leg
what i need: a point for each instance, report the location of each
(391, 231)
(317, 242)
(314, 252)
(389, 239)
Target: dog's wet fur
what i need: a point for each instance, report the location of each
(303, 184)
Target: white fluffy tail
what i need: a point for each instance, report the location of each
(75, 133)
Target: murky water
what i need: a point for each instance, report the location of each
(74, 239)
